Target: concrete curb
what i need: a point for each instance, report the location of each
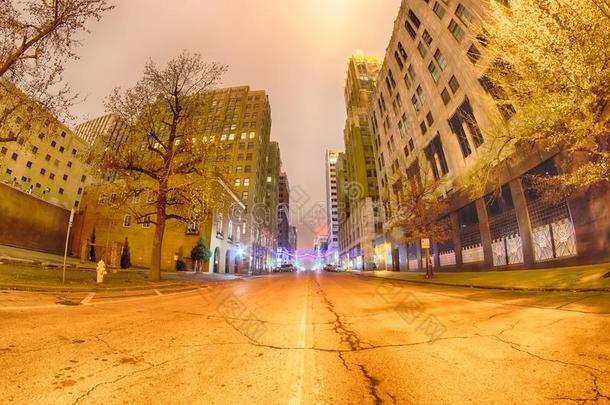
(485, 287)
(65, 289)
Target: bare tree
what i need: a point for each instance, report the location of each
(420, 210)
(166, 166)
(37, 37)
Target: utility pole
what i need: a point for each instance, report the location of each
(63, 276)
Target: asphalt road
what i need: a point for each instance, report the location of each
(307, 339)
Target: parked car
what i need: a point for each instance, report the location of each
(330, 267)
(287, 268)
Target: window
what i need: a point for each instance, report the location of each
(434, 72)
(237, 182)
(445, 96)
(463, 14)
(83, 178)
(29, 164)
(473, 54)
(423, 127)
(421, 95)
(440, 59)
(246, 182)
(4, 150)
(61, 149)
(403, 54)
(465, 115)
(53, 144)
(192, 228)
(239, 169)
(43, 171)
(427, 37)
(439, 10)
(410, 30)
(414, 19)
(456, 30)
(248, 156)
(74, 151)
(245, 195)
(35, 150)
(453, 83)
(14, 156)
(127, 221)
(247, 169)
(398, 60)
(422, 49)
(61, 190)
(436, 157)
(146, 221)
(69, 163)
(80, 191)
(430, 118)
(65, 177)
(499, 95)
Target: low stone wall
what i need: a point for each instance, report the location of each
(31, 223)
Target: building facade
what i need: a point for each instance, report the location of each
(283, 219)
(105, 228)
(47, 161)
(361, 188)
(272, 196)
(432, 114)
(332, 206)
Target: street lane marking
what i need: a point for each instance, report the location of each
(158, 292)
(297, 391)
(88, 298)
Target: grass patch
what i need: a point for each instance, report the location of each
(579, 277)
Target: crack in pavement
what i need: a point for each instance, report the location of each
(373, 384)
(356, 344)
(122, 377)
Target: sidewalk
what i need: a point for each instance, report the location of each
(17, 255)
(27, 270)
(579, 279)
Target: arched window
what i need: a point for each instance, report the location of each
(230, 231)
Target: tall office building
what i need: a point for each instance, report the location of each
(283, 218)
(432, 112)
(293, 239)
(237, 121)
(362, 221)
(332, 205)
(274, 167)
(104, 134)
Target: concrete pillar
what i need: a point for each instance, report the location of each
(485, 233)
(457, 243)
(523, 219)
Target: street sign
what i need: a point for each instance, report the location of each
(425, 243)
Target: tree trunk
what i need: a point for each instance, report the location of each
(157, 248)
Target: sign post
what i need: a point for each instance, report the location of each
(425, 244)
(63, 276)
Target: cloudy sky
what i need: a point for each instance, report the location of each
(296, 50)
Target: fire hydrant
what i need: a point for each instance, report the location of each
(101, 271)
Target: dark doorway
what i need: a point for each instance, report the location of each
(216, 260)
(228, 262)
(395, 260)
(236, 264)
